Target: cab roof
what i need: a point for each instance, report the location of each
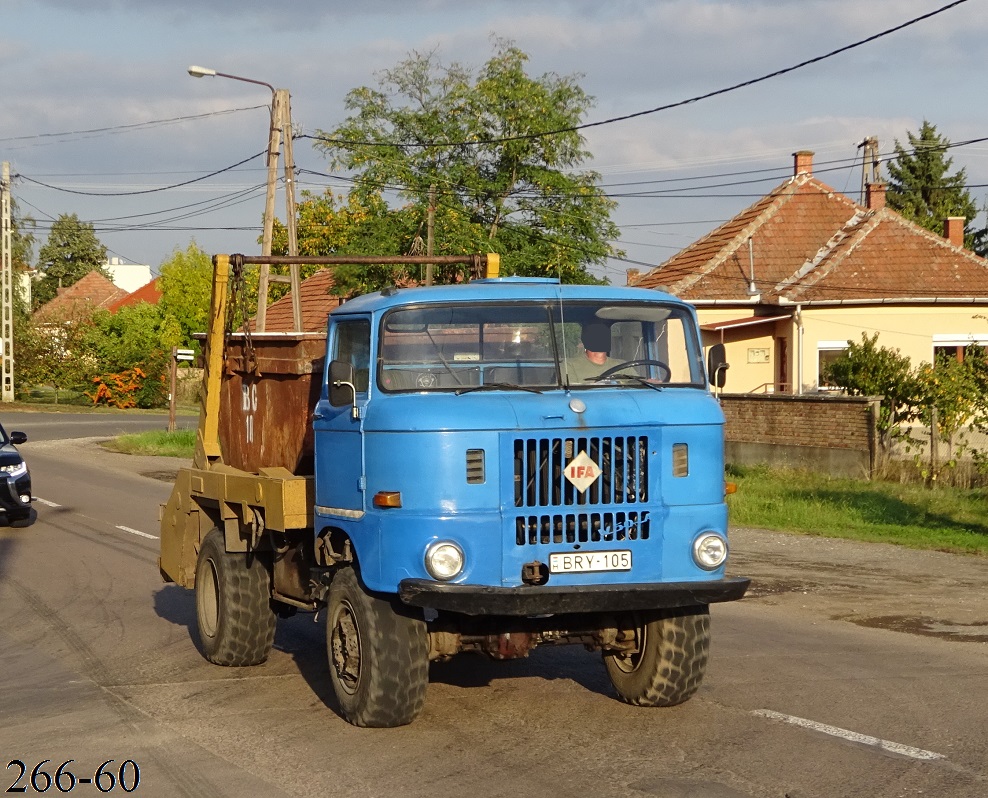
(505, 289)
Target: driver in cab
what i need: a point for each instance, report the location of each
(595, 358)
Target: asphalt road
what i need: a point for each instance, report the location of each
(47, 426)
(852, 670)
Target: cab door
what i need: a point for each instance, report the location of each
(339, 450)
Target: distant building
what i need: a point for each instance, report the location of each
(790, 280)
(80, 300)
(128, 276)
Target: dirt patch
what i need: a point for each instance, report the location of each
(957, 632)
(876, 585)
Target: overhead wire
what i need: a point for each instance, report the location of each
(132, 126)
(143, 191)
(658, 109)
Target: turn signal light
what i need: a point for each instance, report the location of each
(730, 487)
(387, 498)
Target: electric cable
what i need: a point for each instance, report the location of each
(743, 84)
(143, 191)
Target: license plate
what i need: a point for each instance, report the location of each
(586, 562)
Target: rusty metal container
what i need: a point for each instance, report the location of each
(270, 386)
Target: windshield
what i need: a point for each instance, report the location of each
(494, 346)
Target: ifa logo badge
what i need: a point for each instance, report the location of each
(582, 472)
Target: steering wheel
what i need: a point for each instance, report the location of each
(627, 363)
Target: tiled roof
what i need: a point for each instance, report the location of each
(150, 293)
(812, 243)
(316, 302)
(88, 294)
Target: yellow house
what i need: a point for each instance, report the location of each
(786, 283)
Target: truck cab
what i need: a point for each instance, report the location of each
(495, 465)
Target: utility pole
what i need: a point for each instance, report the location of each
(6, 291)
(430, 226)
(870, 165)
(280, 127)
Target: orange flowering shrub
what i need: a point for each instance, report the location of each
(118, 390)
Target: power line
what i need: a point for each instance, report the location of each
(133, 126)
(669, 106)
(143, 191)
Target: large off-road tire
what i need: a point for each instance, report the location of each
(668, 667)
(378, 655)
(233, 605)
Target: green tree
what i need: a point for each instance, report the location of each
(948, 402)
(186, 283)
(499, 184)
(53, 352)
(135, 337)
(866, 369)
(922, 188)
(70, 253)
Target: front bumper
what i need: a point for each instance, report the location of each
(11, 489)
(531, 600)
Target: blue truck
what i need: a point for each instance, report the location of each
(481, 467)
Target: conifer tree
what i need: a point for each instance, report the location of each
(923, 189)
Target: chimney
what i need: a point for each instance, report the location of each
(953, 230)
(633, 275)
(875, 196)
(803, 163)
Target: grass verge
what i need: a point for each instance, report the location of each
(943, 518)
(180, 443)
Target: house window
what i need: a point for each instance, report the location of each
(954, 345)
(826, 353)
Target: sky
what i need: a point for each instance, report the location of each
(99, 108)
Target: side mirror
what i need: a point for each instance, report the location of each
(341, 388)
(717, 365)
(17, 438)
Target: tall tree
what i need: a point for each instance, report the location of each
(500, 184)
(186, 287)
(70, 253)
(922, 188)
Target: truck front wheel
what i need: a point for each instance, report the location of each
(378, 655)
(670, 659)
(233, 605)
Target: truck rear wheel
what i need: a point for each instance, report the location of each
(671, 658)
(378, 656)
(233, 605)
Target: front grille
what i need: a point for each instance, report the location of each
(531, 530)
(539, 464)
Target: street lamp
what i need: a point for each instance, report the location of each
(281, 127)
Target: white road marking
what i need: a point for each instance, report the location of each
(865, 739)
(45, 502)
(136, 532)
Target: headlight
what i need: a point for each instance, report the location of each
(14, 469)
(444, 560)
(710, 551)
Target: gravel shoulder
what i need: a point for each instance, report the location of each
(876, 585)
(89, 450)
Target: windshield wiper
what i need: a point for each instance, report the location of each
(497, 386)
(618, 377)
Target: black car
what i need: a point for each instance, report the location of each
(15, 480)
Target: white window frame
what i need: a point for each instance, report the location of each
(956, 339)
(828, 346)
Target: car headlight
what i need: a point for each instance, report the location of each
(14, 469)
(444, 560)
(710, 550)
